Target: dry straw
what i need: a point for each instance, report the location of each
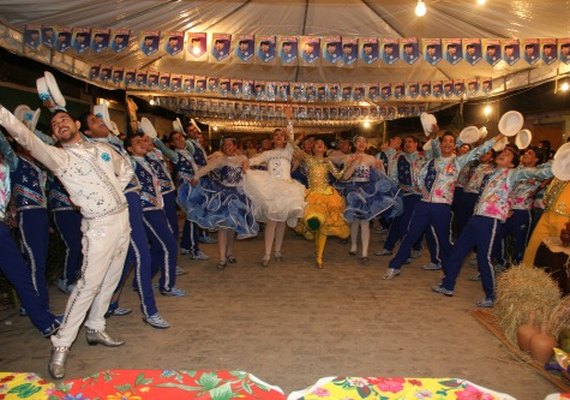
(559, 319)
(521, 290)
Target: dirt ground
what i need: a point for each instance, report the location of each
(291, 324)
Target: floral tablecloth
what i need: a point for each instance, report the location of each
(23, 386)
(395, 388)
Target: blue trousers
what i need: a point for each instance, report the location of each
(170, 208)
(481, 232)
(190, 237)
(68, 224)
(14, 267)
(464, 211)
(438, 216)
(34, 235)
(163, 248)
(518, 226)
(138, 256)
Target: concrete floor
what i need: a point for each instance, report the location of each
(291, 324)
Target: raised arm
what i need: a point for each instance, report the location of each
(212, 165)
(167, 151)
(51, 157)
(122, 166)
(47, 139)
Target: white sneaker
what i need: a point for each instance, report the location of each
(432, 267)
(390, 274)
(156, 321)
(384, 252)
(416, 253)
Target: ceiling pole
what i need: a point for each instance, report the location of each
(303, 32)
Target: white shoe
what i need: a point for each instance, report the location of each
(156, 321)
(432, 267)
(416, 253)
(384, 252)
(391, 273)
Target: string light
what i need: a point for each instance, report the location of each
(487, 110)
(481, 2)
(152, 102)
(421, 8)
(366, 124)
(565, 87)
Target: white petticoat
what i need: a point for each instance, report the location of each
(273, 198)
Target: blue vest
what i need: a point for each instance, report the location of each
(29, 185)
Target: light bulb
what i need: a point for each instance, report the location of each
(366, 124)
(487, 110)
(215, 128)
(565, 86)
(481, 2)
(196, 50)
(152, 102)
(421, 8)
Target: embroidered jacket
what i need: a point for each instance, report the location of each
(522, 195)
(154, 158)
(405, 169)
(478, 174)
(151, 196)
(184, 165)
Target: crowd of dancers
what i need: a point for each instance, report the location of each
(115, 205)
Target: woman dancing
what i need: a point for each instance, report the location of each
(369, 193)
(323, 213)
(221, 204)
(277, 198)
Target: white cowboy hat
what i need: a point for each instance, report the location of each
(501, 144)
(483, 132)
(102, 111)
(43, 91)
(523, 139)
(146, 126)
(27, 116)
(177, 126)
(195, 125)
(511, 123)
(561, 166)
(54, 89)
(427, 120)
(565, 147)
(469, 135)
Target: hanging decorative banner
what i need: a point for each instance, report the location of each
(63, 39)
(236, 87)
(437, 89)
(118, 76)
(487, 85)
(492, 51)
(265, 49)
(142, 79)
(321, 92)
(548, 50)
(425, 89)
(298, 92)
(453, 50)
(176, 82)
(105, 74)
(270, 89)
(196, 46)
(100, 39)
(130, 77)
(199, 84)
(94, 72)
(459, 87)
(174, 43)
(187, 83)
(432, 50)
(413, 90)
(347, 91)
(221, 44)
(259, 90)
(212, 86)
(150, 42)
(48, 36)
(472, 87)
(225, 86)
(399, 90)
(564, 51)
(246, 89)
(390, 50)
(152, 81)
(244, 45)
(511, 51)
(385, 90)
(373, 91)
(310, 50)
(349, 51)
(282, 91)
(288, 50)
(120, 39)
(369, 51)
(531, 50)
(334, 92)
(332, 50)
(32, 37)
(410, 50)
(81, 39)
(358, 92)
(472, 50)
(448, 89)
(310, 92)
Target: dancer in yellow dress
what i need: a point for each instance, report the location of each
(323, 213)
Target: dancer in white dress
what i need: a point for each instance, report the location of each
(277, 198)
